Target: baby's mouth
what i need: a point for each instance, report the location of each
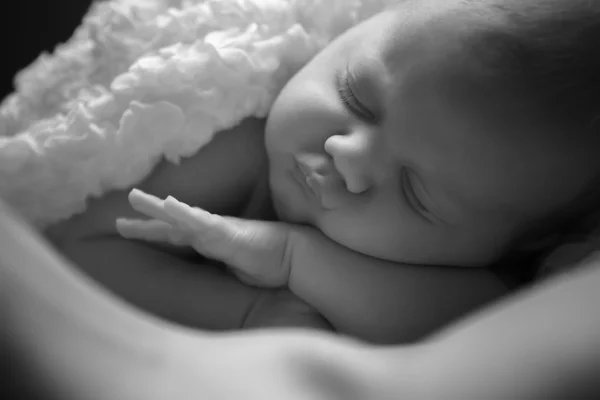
(322, 179)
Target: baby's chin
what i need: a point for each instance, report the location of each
(292, 212)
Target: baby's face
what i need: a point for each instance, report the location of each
(384, 143)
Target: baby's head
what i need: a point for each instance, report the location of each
(443, 131)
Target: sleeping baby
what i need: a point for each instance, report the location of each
(436, 133)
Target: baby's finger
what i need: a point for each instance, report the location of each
(211, 235)
(256, 250)
(188, 217)
(150, 230)
(149, 205)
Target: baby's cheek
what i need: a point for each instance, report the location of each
(363, 236)
(310, 94)
(414, 243)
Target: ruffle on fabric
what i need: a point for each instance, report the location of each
(145, 79)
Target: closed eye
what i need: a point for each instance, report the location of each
(410, 195)
(348, 97)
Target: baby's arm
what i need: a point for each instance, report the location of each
(162, 280)
(376, 300)
(379, 300)
(540, 344)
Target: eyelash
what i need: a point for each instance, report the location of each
(349, 99)
(410, 195)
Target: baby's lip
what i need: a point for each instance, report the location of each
(323, 180)
(313, 163)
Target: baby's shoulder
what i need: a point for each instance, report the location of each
(224, 171)
(241, 147)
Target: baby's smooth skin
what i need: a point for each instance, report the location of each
(396, 150)
(424, 164)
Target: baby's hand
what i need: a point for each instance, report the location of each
(256, 251)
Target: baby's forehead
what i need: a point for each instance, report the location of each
(409, 53)
(415, 39)
(396, 45)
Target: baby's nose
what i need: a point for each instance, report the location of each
(352, 156)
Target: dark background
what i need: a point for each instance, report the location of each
(28, 27)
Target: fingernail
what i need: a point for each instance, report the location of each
(119, 225)
(134, 194)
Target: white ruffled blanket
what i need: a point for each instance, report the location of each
(145, 79)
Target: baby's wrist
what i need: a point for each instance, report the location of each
(298, 238)
(304, 245)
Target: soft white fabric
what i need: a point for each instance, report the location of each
(143, 79)
(581, 243)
